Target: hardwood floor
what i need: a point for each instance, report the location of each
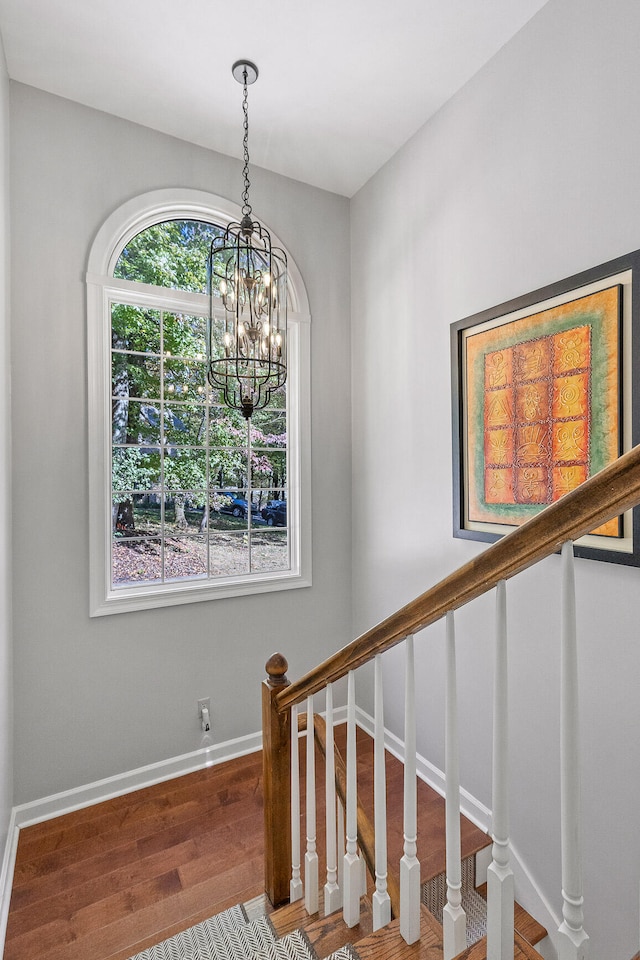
(107, 881)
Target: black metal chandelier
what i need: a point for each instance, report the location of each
(247, 357)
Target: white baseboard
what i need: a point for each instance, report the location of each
(6, 876)
(58, 804)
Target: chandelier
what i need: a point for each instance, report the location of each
(247, 349)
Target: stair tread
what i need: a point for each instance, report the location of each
(225, 935)
(521, 950)
(289, 917)
(293, 945)
(327, 934)
(387, 943)
(526, 925)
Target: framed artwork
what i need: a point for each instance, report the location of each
(542, 399)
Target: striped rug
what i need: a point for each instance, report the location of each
(232, 935)
(244, 933)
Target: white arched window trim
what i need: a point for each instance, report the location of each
(102, 288)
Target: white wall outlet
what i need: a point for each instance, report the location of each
(205, 703)
(204, 712)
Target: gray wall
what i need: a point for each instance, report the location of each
(95, 697)
(528, 175)
(6, 692)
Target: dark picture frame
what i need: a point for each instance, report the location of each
(543, 396)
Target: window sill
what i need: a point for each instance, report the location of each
(128, 599)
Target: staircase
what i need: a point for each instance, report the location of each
(311, 936)
(254, 930)
(604, 496)
(250, 931)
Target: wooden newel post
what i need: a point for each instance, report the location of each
(276, 759)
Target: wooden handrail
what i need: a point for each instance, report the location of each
(366, 834)
(608, 494)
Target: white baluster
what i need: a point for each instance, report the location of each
(381, 901)
(341, 848)
(364, 876)
(409, 865)
(573, 944)
(500, 887)
(311, 856)
(454, 919)
(352, 883)
(295, 887)
(332, 900)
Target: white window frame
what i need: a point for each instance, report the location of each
(103, 289)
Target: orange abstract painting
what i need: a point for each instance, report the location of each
(542, 396)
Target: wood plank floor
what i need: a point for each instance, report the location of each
(107, 881)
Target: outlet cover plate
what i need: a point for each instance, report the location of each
(205, 702)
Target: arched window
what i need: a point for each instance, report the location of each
(188, 500)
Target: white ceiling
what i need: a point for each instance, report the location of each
(343, 83)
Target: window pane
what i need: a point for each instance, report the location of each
(185, 424)
(228, 555)
(136, 560)
(278, 398)
(171, 254)
(273, 510)
(135, 328)
(135, 421)
(185, 469)
(217, 337)
(184, 380)
(230, 505)
(269, 550)
(136, 515)
(269, 429)
(185, 557)
(135, 468)
(227, 428)
(184, 336)
(133, 375)
(184, 511)
(228, 468)
(219, 520)
(268, 469)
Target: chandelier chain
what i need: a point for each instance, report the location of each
(246, 206)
